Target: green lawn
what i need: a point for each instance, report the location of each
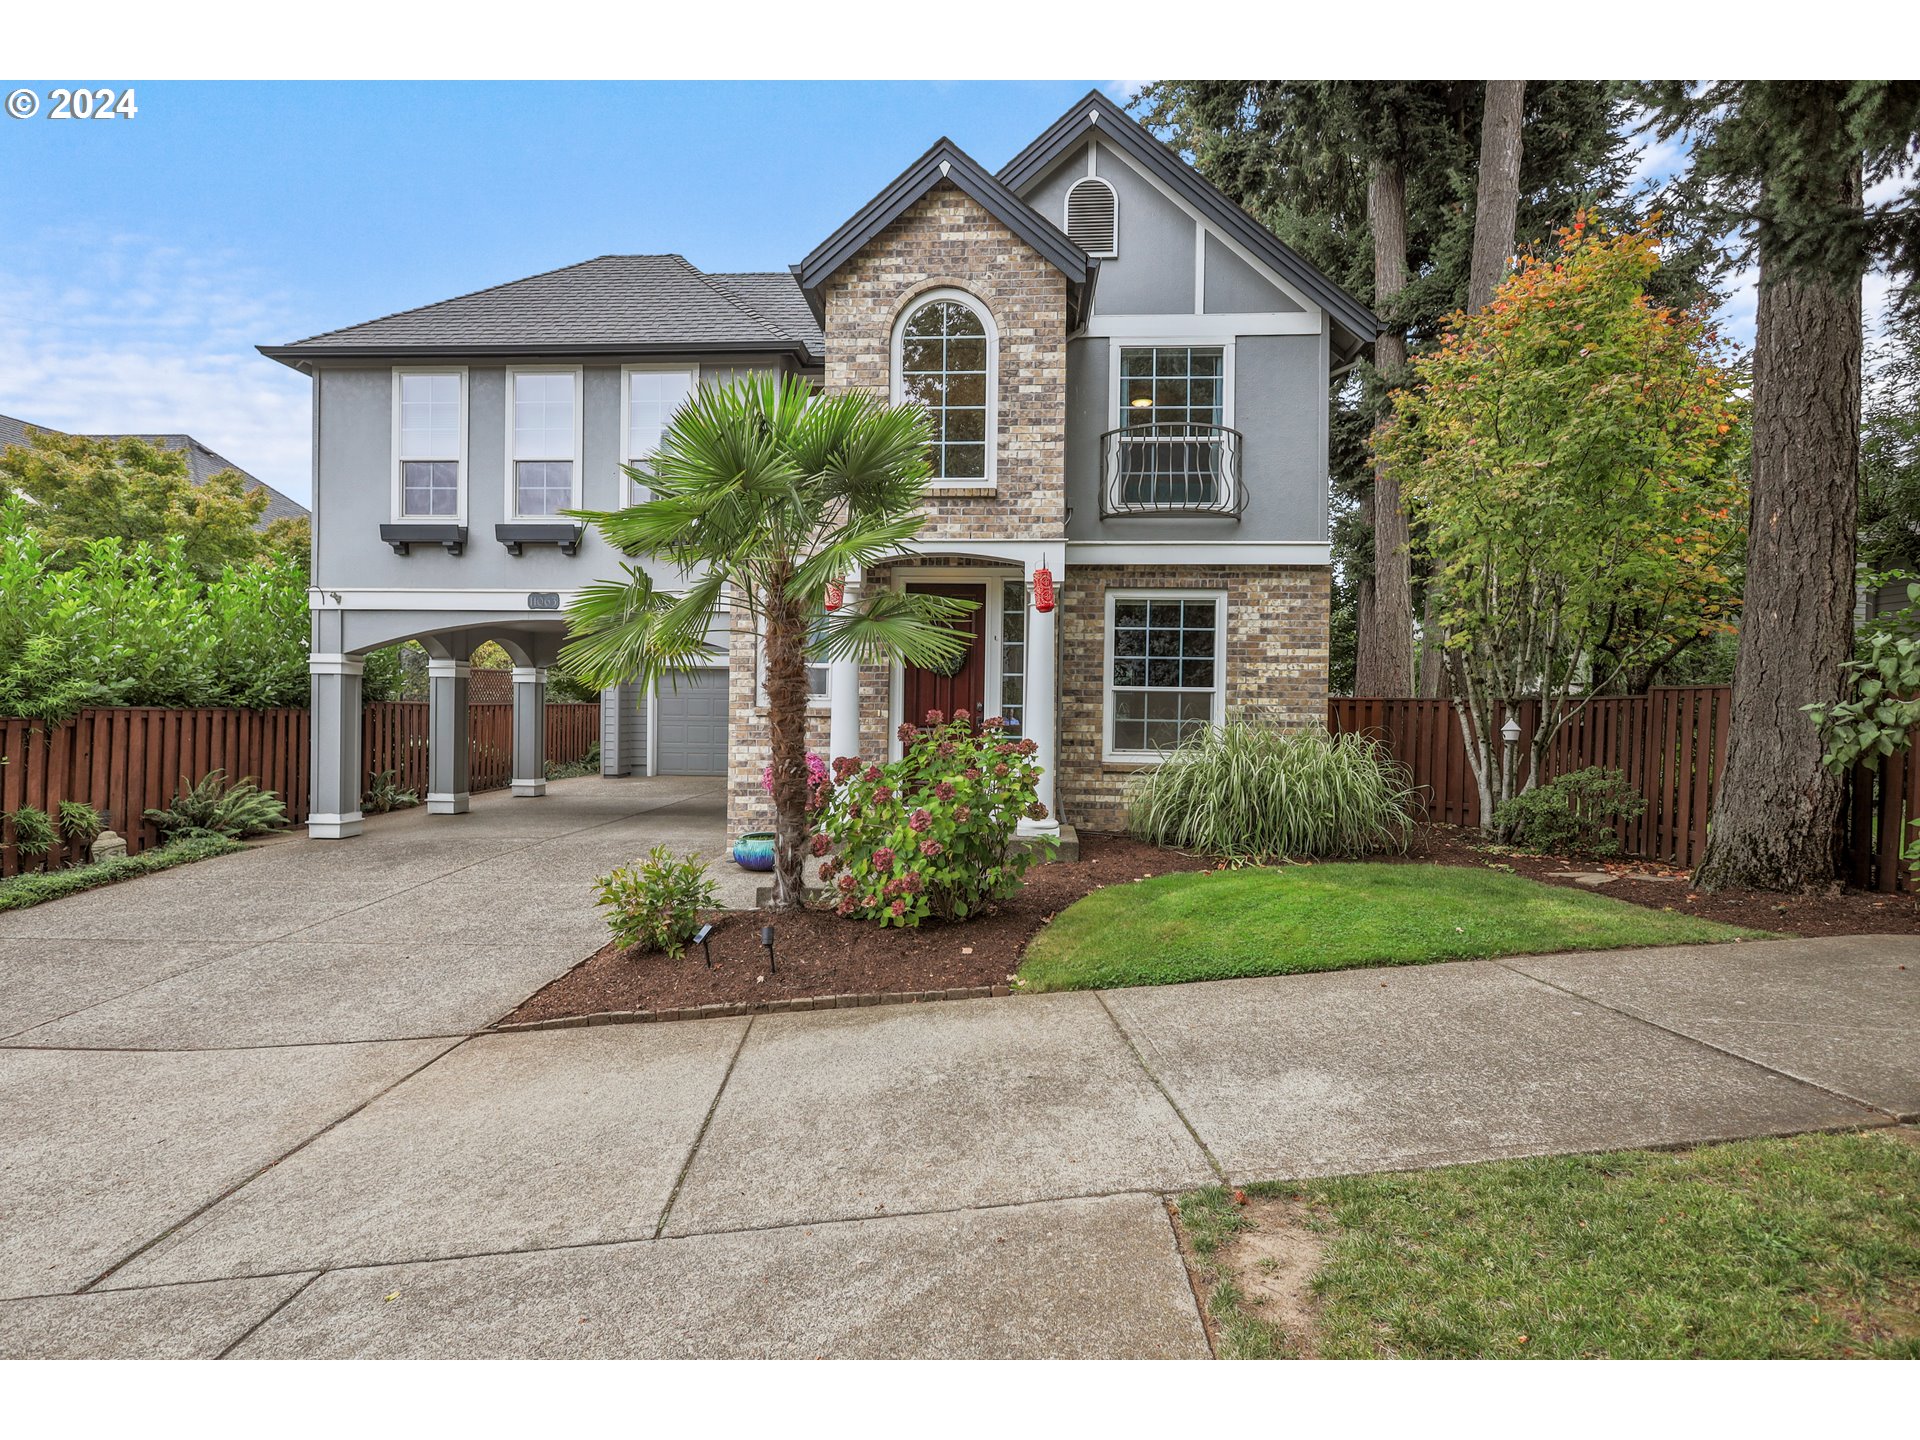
(1213, 925)
(1803, 1247)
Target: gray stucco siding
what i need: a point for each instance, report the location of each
(1233, 287)
(1153, 273)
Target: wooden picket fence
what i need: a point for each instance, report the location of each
(1671, 743)
(126, 761)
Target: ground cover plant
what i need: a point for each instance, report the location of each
(655, 903)
(1226, 923)
(1788, 1248)
(216, 807)
(1252, 791)
(20, 891)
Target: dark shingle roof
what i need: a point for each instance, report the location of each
(615, 304)
(776, 297)
(202, 464)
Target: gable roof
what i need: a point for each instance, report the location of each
(1096, 113)
(615, 304)
(947, 163)
(202, 464)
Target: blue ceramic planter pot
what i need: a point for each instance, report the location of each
(754, 851)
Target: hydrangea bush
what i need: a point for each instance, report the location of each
(929, 834)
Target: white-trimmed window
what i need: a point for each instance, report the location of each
(543, 439)
(1013, 654)
(430, 445)
(648, 397)
(946, 358)
(1166, 668)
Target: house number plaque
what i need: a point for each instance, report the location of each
(543, 600)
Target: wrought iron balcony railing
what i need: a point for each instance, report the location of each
(1171, 468)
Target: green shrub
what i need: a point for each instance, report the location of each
(655, 904)
(80, 823)
(214, 807)
(32, 831)
(1572, 815)
(1251, 791)
(385, 794)
(929, 834)
(24, 890)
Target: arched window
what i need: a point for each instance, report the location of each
(944, 358)
(1093, 217)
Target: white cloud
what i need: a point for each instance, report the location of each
(132, 333)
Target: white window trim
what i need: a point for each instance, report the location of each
(1066, 207)
(1116, 386)
(579, 437)
(629, 490)
(398, 503)
(979, 307)
(1150, 757)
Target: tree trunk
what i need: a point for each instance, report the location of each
(786, 682)
(1383, 660)
(1433, 654)
(1497, 200)
(1773, 818)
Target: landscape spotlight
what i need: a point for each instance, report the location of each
(700, 938)
(766, 939)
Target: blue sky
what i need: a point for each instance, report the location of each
(143, 259)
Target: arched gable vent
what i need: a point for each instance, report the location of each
(1093, 216)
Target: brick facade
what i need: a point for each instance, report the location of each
(749, 740)
(1276, 651)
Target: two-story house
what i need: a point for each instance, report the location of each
(1128, 379)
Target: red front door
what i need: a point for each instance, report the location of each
(965, 688)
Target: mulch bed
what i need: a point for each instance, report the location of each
(820, 954)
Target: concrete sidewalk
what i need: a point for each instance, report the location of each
(972, 1178)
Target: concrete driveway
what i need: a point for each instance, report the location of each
(231, 1123)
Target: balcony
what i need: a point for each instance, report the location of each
(1171, 468)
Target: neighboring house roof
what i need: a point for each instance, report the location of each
(616, 304)
(947, 162)
(1097, 113)
(202, 464)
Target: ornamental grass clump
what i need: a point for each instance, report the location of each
(1250, 791)
(930, 835)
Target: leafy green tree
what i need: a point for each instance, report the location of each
(89, 487)
(1789, 163)
(1573, 455)
(123, 623)
(1890, 453)
(764, 493)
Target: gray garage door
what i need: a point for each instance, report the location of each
(692, 715)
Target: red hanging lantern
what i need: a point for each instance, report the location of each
(1043, 590)
(836, 594)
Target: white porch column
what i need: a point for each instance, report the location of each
(334, 723)
(447, 769)
(529, 730)
(843, 697)
(1042, 696)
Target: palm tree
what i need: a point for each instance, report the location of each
(762, 494)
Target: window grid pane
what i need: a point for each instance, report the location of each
(429, 487)
(429, 417)
(1013, 654)
(543, 417)
(943, 366)
(652, 398)
(543, 487)
(1163, 672)
(1171, 398)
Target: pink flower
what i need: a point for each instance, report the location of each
(899, 908)
(845, 907)
(972, 772)
(847, 882)
(931, 848)
(1001, 768)
(992, 722)
(962, 813)
(945, 749)
(882, 794)
(944, 790)
(919, 820)
(963, 717)
(845, 766)
(936, 717)
(911, 882)
(1026, 747)
(883, 859)
(821, 844)
(873, 772)
(907, 731)
(1036, 811)
(830, 867)
(853, 810)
